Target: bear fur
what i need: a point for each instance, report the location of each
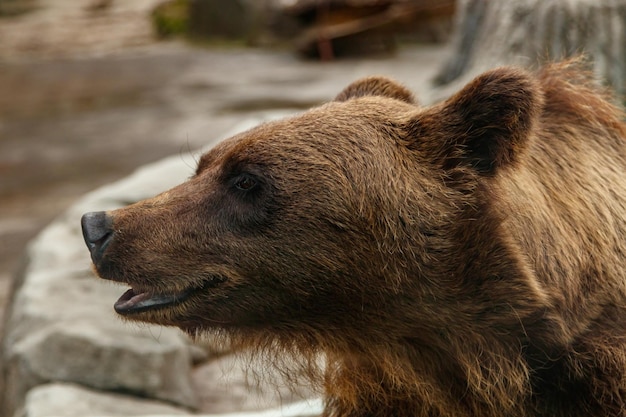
(463, 259)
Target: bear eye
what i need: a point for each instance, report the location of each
(245, 182)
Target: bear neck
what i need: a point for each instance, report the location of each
(463, 343)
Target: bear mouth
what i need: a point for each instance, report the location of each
(134, 301)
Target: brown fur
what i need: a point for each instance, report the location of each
(465, 259)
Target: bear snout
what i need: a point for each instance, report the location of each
(97, 232)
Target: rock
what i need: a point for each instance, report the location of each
(306, 408)
(68, 400)
(494, 32)
(223, 386)
(147, 362)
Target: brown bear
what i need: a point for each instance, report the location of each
(463, 259)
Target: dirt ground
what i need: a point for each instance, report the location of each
(88, 95)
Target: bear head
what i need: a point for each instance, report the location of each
(334, 221)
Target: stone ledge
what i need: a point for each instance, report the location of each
(68, 400)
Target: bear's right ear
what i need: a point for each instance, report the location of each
(485, 126)
(376, 86)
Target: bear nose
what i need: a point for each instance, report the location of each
(97, 232)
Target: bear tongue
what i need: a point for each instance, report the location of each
(132, 302)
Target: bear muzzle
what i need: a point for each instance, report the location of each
(99, 233)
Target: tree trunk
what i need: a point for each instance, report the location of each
(494, 32)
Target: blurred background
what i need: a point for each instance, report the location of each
(92, 89)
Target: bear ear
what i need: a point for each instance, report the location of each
(376, 86)
(486, 125)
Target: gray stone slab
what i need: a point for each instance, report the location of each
(69, 400)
